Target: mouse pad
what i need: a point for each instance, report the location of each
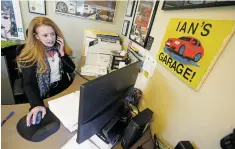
(39, 132)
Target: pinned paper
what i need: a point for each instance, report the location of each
(149, 66)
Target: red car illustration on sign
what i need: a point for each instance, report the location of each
(188, 47)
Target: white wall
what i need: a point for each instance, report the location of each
(73, 27)
(180, 113)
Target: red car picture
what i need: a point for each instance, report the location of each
(188, 47)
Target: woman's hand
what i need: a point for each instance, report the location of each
(33, 114)
(61, 42)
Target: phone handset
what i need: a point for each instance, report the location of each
(57, 45)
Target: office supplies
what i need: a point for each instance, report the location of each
(136, 128)
(116, 62)
(65, 109)
(9, 116)
(106, 95)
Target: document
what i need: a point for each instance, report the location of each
(90, 70)
(72, 144)
(93, 143)
(66, 109)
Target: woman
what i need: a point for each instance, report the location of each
(44, 62)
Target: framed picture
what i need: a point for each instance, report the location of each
(94, 10)
(183, 4)
(125, 27)
(11, 22)
(143, 21)
(130, 8)
(38, 7)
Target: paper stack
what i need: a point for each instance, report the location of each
(90, 70)
(66, 110)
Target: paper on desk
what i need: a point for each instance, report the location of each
(87, 42)
(91, 70)
(93, 143)
(72, 144)
(66, 109)
(100, 143)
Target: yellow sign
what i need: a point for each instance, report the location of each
(190, 47)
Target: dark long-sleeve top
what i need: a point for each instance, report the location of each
(30, 83)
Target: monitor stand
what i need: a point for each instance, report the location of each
(102, 137)
(115, 128)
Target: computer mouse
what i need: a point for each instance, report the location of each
(39, 132)
(38, 118)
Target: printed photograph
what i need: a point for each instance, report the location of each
(95, 10)
(8, 21)
(141, 25)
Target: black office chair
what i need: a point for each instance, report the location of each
(18, 83)
(18, 90)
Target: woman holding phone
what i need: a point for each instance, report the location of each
(44, 62)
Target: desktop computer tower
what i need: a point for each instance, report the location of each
(136, 127)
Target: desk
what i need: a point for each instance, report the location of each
(11, 139)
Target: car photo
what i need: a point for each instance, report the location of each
(104, 15)
(85, 9)
(68, 6)
(142, 19)
(188, 47)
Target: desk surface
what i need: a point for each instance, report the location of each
(11, 139)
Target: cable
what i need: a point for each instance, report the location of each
(140, 146)
(155, 140)
(146, 141)
(75, 70)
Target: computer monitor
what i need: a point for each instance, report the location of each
(100, 99)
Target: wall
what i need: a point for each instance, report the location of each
(180, 113)
(73, 27)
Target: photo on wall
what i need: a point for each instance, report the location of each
(130, 8)
(38, 7)
(11, 22)
(143, 21)
(125, 27)
(94, 10)
(190, 4)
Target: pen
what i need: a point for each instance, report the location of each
(9, 116)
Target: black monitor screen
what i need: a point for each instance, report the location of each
(102, 94)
